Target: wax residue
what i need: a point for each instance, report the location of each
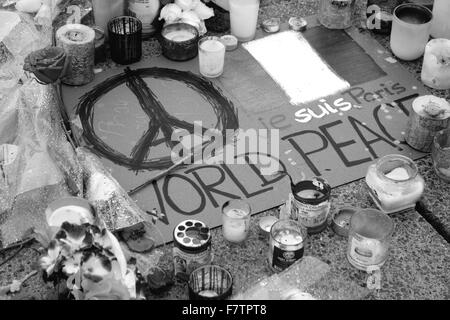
(398, 174)
(297, 68)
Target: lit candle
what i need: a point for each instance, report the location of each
(208, 294)
(287, 238)
(436, 64)
(236, 220)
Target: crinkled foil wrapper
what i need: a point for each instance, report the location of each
(44, 166)
(111, 202)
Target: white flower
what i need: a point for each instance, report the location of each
(191, 18)
(48, 262)
(187, 4)
(170, 13)
(72, 264)
(203, 11)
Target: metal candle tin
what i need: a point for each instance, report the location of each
(271, 25)
(297, 24)
(192, 247)
(312, 202)
(341, 220)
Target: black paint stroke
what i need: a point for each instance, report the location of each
(159, 119)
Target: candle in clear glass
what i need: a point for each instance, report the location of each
(369, 238)
(440, 153)
(410, 31)
(436, 64)
(235, 220)
(244, 18)
(440, 26)
(394, 183)
(211, 56)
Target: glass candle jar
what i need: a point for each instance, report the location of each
(192, 247)
(436, 64)
(369, 239)
(210, 282)
(211, 57)
(179, 41)
(244, 18)
(236, 220)
(410, 30)
(312, 204)
(441, 154)
(336, 14)
(440, 26)
(394, 183)
(287, 241)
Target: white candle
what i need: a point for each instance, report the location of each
(105, 10)
(235, 225)
(440, 26)
(436, 64)
(179, 35)
(244, 18)
(211, 55)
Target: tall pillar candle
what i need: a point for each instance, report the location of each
(429, 115)
(436, 64)
(244, 18)
(77, 40)
(440, 26)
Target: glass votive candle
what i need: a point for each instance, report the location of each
(312, 203)
(211, 57)
(410, 30)
(286, 246)
(179, 41)
(244, 18)
(436, 64)
(369, 239)
(440, 153)
(394, 183)
(336, 14)
(125, 39)
(210, 282)
(235, 220)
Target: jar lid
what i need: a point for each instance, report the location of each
(192, 235)
(266, 223)
(314, 191)
(230, 42)
(341, 220)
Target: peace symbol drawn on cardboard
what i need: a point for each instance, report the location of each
(159, 118)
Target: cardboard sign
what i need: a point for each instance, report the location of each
(126, 117)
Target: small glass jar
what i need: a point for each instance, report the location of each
(440, 153)
(336, 14)
(369, 239)
(287, 242)
(211, 57)
(312, 204)
(236, 220)
(394, 183)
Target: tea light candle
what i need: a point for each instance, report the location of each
(436, 64)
